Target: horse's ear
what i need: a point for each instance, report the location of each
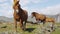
(17, 3)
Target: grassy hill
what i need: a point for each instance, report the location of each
(31, 29)
(5, 19)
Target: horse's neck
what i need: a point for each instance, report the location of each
(36, 16)
(20, 10)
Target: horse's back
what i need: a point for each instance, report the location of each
(40, 16)
(24, 15)
(50, 19)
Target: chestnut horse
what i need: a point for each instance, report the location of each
(39, 17)
(20, 15)
(43, 18)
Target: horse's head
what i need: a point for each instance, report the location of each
(33, 14)
(17, 6)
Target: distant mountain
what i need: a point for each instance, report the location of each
(5, 19)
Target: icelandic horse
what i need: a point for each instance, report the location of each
(44, 19)
(20, 16)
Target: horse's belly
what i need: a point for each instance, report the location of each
(17, 19)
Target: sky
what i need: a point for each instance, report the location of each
(47, 7)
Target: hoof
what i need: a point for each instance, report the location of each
(23, 28)
(49, 31)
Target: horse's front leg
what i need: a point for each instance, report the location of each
(21, 24)
(15, 22)
(24, 25)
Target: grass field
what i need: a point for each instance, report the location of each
(8, 28)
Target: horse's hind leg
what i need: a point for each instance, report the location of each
(52, 28)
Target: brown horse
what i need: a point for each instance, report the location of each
(39, 17)
(20, 15)
(43, 18)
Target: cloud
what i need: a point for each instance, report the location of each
(50, 10)
(38, 1)
(25, 2)
(6, 13)
(2, 1)
(6, 9)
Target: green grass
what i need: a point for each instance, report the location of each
(57, 31)
(31, 29)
